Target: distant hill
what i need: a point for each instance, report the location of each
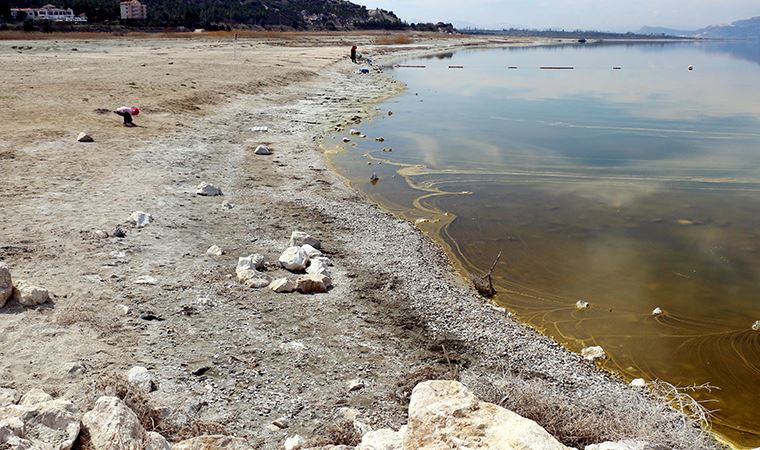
(741, 29)
(272, 14)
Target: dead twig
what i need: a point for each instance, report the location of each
(484, 284)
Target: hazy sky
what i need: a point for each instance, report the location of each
(587, 14)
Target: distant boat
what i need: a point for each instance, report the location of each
(582, 41)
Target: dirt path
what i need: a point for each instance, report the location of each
(222, 352)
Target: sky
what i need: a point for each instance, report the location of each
(608, 15)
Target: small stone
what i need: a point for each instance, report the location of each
(253, 278)
(756, 326)
(208, 190)
(84, 137)
(214, 442)
(593, 353)
(146, 279)
(313, 284)
(281, 423)
(214, 250)
(354, 132)
(262, 150)
(29, 295)
(122, 309)
(374, 178)
(141, 378)
(6, 284)
(299, 238)
(100, 234)
(227, 205)
(581, 304)
(294, 443)
(283, 286)
(355, 385)
(294, 259)
(154, 441)
(253, 262)
(8, 397)
(140, 219)
(639, 383)
(345, 139)
(119, 232)
(380, 139)
(657, 311)
(320, 266)
(311, 251)
(34, 397)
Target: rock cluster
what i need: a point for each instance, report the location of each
(37, 421)
(23, 292)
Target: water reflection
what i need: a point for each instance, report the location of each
(631, 189)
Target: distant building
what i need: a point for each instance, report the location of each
(133, 10)
(49, 12)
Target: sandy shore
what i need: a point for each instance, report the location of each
(224, 353)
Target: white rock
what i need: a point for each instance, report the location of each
(252, 262)
(445, 412)
(262, 150)
(113, 426)
(383, 439)
(140, 219)
(657, 311)
(593, 353)
(380, 139)
(355, 132)
(6, 284)
(141, 378)
(582, 304)
(146, 279)
(355, 385)
(154, 441)
(639, 383)
(313, 284)
(84, 137)
(294, 259)
(8, 397)
(214, 250)
(295, 442)
(215, 442)
(320, 266)
(253, 278)
(756, 326)
(34, 397)
(227, 205)
(299, 238)
(29, 295)
(283, 286)
(208, 190)
(622, 445)
(122, 309)
(345, 139)
(311, 251)
(47, 425)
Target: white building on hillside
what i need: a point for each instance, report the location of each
(133, 10)
(51, 13)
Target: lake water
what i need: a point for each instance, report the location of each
(631, 189)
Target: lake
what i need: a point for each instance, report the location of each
(631, 188)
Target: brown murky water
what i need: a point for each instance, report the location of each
(630, 189)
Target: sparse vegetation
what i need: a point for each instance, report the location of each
(393, 39)
(341, 432)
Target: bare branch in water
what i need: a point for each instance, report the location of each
(484, 284)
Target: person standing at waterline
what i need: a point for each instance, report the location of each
(353, 55)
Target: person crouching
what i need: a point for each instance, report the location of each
(127, 112)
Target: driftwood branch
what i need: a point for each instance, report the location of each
(484, 284)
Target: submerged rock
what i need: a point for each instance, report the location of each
(756, 326)
(581, 304)
(657, 311)
(639, 383)
(593, 353)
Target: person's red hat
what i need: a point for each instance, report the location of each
(135, 111)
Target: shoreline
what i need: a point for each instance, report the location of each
(398, 310)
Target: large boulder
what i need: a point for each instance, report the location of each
(6, 284)
(208, 190)
(212, 443)
(384, 439)
(35, 396)
(141, 378)
(30, 295)
(445, 414)
(313, 284)
(299, 238)
(294, 259)
(47, 425)
(113, 426)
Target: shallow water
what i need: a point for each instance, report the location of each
(631, 189)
